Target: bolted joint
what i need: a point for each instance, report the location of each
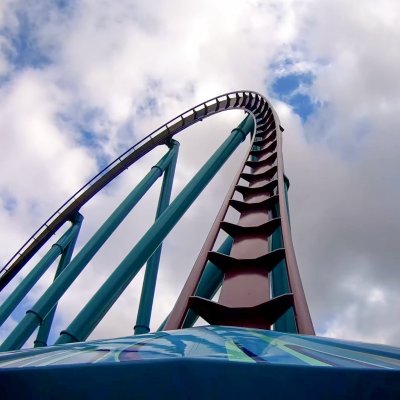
(70, 335)
(76, 218)
(39, 343)
(172, 143)
(36, 314)
(61, 247)
(141, 329)
(167, 159)
(159, 168)
(245, 127)
(241, 131)
(71, 234)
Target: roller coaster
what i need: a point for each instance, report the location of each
(260, 341)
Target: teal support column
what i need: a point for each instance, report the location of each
(287, 185)
(150, 278)
(41, 267)
(43, 306)
(210, 282)
(101, 302)
(280, 280)
(45, 326)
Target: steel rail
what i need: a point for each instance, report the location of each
(302, 313)
(252, 102)
(241, 100)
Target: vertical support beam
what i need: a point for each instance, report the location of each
(106, 296)
(45, 326)
(150, 278)
(49, 299)
(302, 313)
(41, 267)
(279, 281)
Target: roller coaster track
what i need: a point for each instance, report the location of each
(269, 142)
(251, 347)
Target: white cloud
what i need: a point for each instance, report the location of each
(117, 70)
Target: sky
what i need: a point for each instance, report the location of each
(82, 81)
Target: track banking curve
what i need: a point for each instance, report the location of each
(160, 136)
(252, 102)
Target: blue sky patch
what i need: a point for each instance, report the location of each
(149, 106)
(92, 141)
(302, 105)
(294, 90)
(285, 85)
(62, 4)
(8, 202)
(86, 132)
(25, 51)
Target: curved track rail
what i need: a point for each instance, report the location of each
(229, 101)
(252, 102)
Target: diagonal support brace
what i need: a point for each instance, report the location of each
(102, 301)
(45, 326)
(49, 299)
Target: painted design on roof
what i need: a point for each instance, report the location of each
(242, 345)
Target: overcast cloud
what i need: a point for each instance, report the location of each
(81, 81)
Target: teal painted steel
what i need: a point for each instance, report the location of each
(210, 282)
(287, 185)
(43, 306)
(250, 101)
(150, 278)
(44, 328)
(280, 280)
(41, 267)
(105, 297)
